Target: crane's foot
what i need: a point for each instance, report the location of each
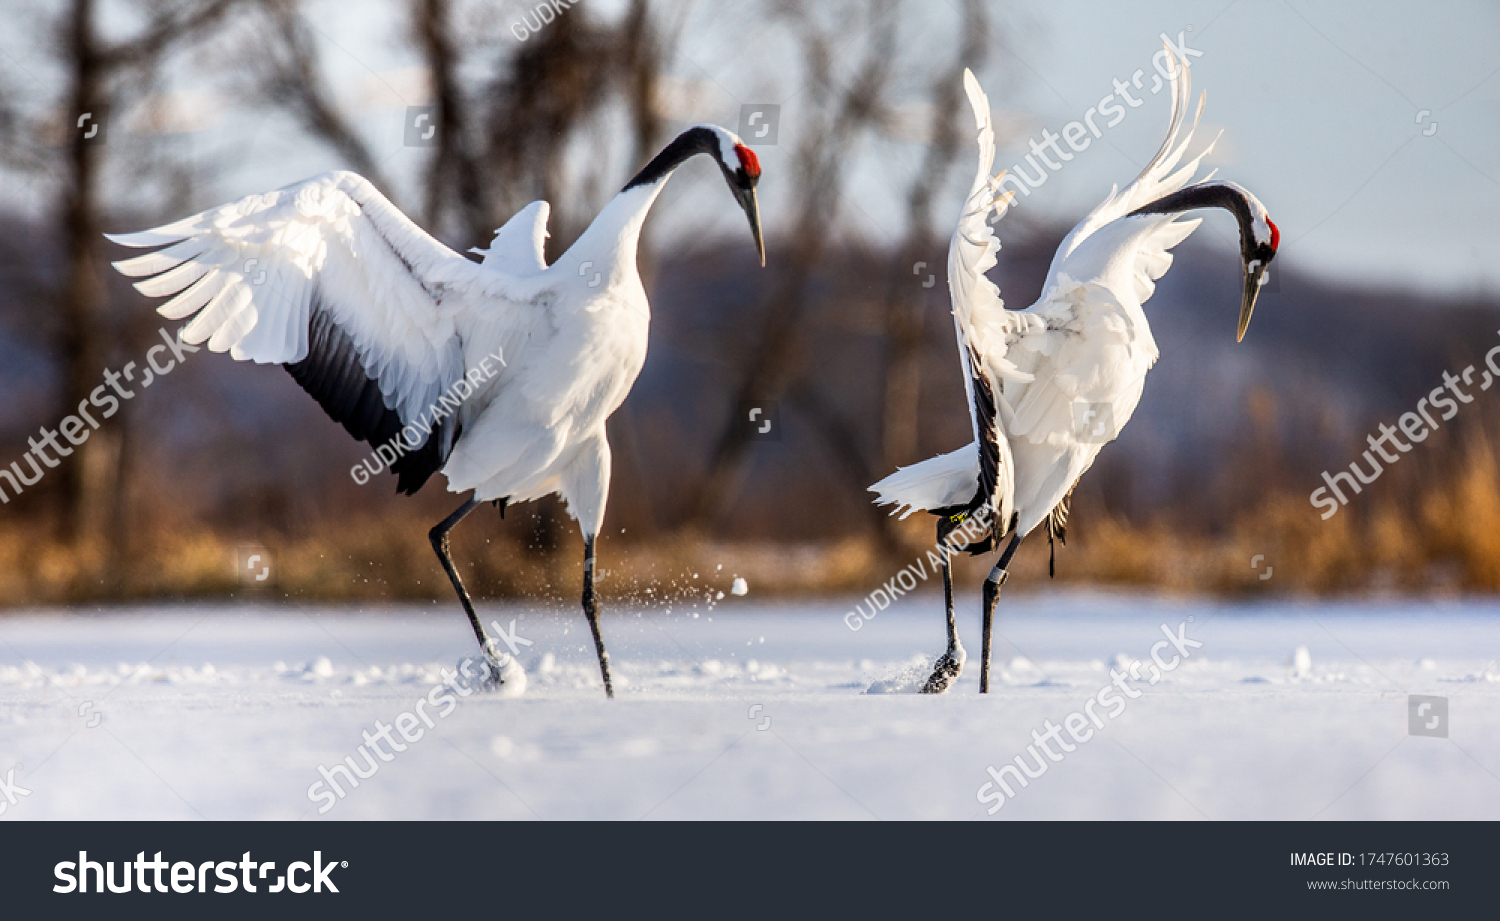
(949, 666)
(494, 672)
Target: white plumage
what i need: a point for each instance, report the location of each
(1050, 384)
(1084, 344)
(386, 327)
(421, 316)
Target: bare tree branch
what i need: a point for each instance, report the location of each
(168, 27)
(454, 174)
(905, 309)
(554, 84)
(820, 159)
(293, 79)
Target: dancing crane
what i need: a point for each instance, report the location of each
(1050, 385)
(500, 373)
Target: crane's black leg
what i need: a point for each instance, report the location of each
(439, 538)
(591, 611)
(951, 664)
(992, 584)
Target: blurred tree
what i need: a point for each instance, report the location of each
(453, 180)
(776, 366)
(949, 135)
(836, 117)
(289, 74)
(91, 489)
(837, 327)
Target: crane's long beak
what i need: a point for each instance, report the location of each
(747, 201)
(1255, 271)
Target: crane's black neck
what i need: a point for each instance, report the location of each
(1210, 195)
(689, 143)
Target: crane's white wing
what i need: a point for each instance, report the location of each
(1102, 273)
(328, 278)
(1090, 361)
(519, 247)
(1151, 259)
(986, 330)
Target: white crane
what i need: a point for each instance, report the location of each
(387, 328)
(1049, 385)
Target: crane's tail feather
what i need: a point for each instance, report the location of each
(938, 482)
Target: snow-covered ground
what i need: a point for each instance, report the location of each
(750, 710)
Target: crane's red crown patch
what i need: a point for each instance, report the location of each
(748, 160)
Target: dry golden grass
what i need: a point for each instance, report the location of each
(1429, 524)
(1461, 520)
